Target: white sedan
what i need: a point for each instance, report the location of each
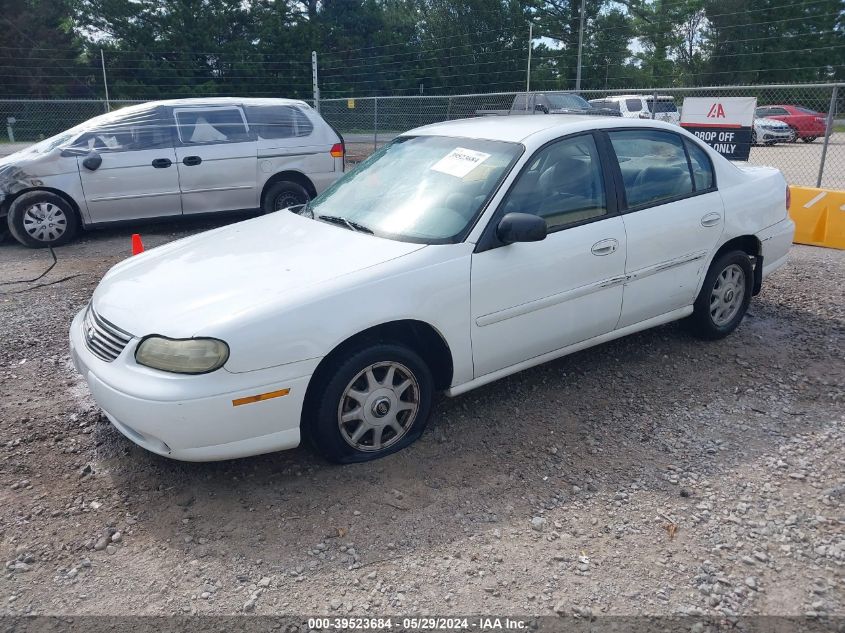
(460, 253)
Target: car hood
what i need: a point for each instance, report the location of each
(193, 286)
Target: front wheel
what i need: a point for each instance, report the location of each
(373, 403)
(39, 219)
(809, 139)
(724, 296)
(284, 194)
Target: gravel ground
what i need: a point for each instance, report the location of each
(653, 475)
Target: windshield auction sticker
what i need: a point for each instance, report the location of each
(459, 162)
(724, 123)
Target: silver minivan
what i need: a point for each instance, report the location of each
(166, 159)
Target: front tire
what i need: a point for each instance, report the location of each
(724, 297)
(374, 402)
(39, 219)
(809, 139)
(283, 194)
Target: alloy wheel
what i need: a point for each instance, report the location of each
(378, 406)
(727, 295)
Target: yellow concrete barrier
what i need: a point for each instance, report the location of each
(819, 216)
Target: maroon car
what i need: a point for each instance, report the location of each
(808, 124)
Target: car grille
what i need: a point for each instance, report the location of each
(105, 340)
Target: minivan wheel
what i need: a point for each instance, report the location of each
(371, 404)
(39, 219)
(724, 297)
(284, 194)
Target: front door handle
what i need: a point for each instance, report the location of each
(604, 247)
(190, 161)
(711, 219)
(161, 163)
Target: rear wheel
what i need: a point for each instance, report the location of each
(809, 139)
(724, 297)
(753, 137)
(284, 194)
(373, 403)
(39, 219)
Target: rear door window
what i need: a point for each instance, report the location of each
(211, 125)
(653, 164)
(702, 168)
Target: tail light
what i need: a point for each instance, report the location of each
(788, 197)
(337, 150)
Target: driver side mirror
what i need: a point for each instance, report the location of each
(521, 227)
(92, 161)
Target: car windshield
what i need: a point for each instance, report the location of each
(663, 105)
(806, 110)
(568, 102)
(426, 189)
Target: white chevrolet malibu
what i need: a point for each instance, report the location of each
(460, 253)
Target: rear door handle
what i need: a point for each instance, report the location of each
(161, 163)
(190, 161)
(604, 247)
(711, 219)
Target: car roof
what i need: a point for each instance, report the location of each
(639, 96)
(205, 101)
(516, 128)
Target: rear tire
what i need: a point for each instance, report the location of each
(39, 219)
(724, 296)
(370, 404)
(283, 194)
(809, 139)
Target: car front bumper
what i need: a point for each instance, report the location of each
(194, 418)
(768, 136)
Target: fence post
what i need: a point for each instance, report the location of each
(314, 86)
(105, 80)
(375, 123)
(654, 104)
(828, 127)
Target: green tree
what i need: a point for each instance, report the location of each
(39, 54)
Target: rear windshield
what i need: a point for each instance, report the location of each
(567, 102)
(662, 105)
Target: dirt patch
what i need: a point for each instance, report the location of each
(656, 474)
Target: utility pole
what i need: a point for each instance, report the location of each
(314, 86)
(580, 47)
(105, 80)
(530, 46)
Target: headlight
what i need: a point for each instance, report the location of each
(182, 356)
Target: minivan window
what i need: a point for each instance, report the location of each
(131, 131)
(212, 125)
(653, 165)
(275, 122)
(271, 122)
(304, 127)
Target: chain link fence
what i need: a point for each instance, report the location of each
(810, 157)
(367, 123)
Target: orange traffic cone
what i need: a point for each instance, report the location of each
(137, 244)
